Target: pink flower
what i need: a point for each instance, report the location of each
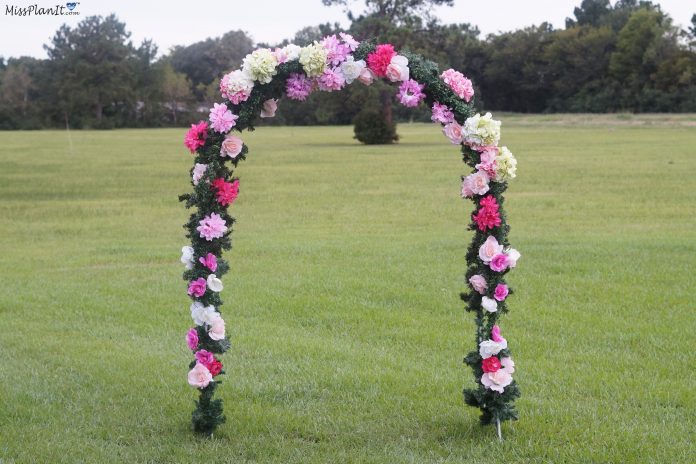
(217, 327)
(197, 287)
(366, 76)
(496, 381)
(236, 86)
(475, 184)
(269, 108)
(298, 86)
(280, 55)
(508, 365)
(487, 217)
(192, 339)
(196, 135)
(379, 60)
(231, 146)
(398, 69)
(199, 376)
(499, 262)
(495, 335)
(453, 131)
(459, 84)
(488, 163)
(209, 261)
(331, 79)
(212, 226)
(222, 119)
(411, 93)
(205, 357)
(227, 192)
(490, 249)
(442, 114)
(491, 364)
(478, 283)
(501, 292)
(336, 51)
(350, 42)
(513, 255)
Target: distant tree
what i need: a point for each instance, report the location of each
(176, 89)
(589, 13)
(394, 11)
(15, 87)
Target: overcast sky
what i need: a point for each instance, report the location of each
(182, 22)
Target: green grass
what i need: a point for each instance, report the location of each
(342, 304)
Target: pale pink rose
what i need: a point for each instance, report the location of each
(217, 327)
(269, 108)
(398, 69)
(199, 376)
(466, 188)
(476, 183)
(231, 146)
(512, 256)
(453, 131)
(490, 249)
(478, 282)
(496, 381)
(366, 76)
(508, 365)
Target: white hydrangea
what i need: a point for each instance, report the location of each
(313, 59)
(352, 69)
(505, 165)
(260, 65)
(482, 131)
(203, 314)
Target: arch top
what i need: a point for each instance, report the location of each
(254, 91)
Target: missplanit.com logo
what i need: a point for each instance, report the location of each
(64, 9)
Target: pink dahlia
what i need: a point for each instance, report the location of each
(298, 86)
(331, 79)
(197, 287)
(222, 119)
(458, 83)
(196, 135)
(379, 60)
(411, 93)
(487, 216)
(227, 192)
(211, 227)
(442, 114)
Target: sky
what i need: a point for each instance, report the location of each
(182, 22)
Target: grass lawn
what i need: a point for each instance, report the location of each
(342, 303)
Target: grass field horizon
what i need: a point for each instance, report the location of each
(342, 302)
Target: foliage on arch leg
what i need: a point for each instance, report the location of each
(294, 72)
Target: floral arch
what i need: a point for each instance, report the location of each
(328, 65)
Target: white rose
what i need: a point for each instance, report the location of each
(202, 314)
(488, 348)
(489, 304)
(187, 257)
(352, 69)
(214, 283)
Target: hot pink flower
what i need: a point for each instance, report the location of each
(453, 131)
(199, 376)
(459, 84)
(212, 226)
(298, 86)
(478, 283)
(499, 262)
(487, 217)
(495, 335)
(205, 357)
(209, 261)
(222, 119)
(411, 93)
(196, 135)
(192, 339)
(379, 60)
(227, 192)
(501, 292)
(491, 364)
(442, 114)
(197, 287)
(331, 79)
(231, 146)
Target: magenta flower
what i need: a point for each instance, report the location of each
(205, 357)
(495, 335)
(196, 135)
(209, 261)
(442, 114)
(411, 93)
(222, 119)
(298, 86)
(488, 216)
(499, 262)
(212, 226)
(197, 287)
(331, 79)
(501, 292)
(192, 339)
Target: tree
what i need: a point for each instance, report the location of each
(176, 89)
(394, 11)
(589, 13)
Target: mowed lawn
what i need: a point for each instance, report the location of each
(342, 303)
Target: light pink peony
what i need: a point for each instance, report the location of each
(478, 283)
(490, 249)
(231, 146)
(199, 376)
(397, 70)
(217, 327)
(331, 79)
(211, 227)
(269, 108)
(496, 381)
(198, 171)
(453, 131)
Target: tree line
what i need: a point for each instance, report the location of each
(628, 56)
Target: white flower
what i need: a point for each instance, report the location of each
(260, 65)
(313, 59)
(508, 365)
(489, 249)
(217, 327)
(505, 165)
(292, 51)
(187, 257)
(496, 381)
(352, 69)
(198, 171)
(398, 69)
(489, 304)
(482, 131)
(214, 283)
(488, 348)
(513, 255)
(239, 85)
(202, 314)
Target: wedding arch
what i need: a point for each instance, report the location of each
(329, 65)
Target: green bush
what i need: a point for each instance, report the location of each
(371, 128)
